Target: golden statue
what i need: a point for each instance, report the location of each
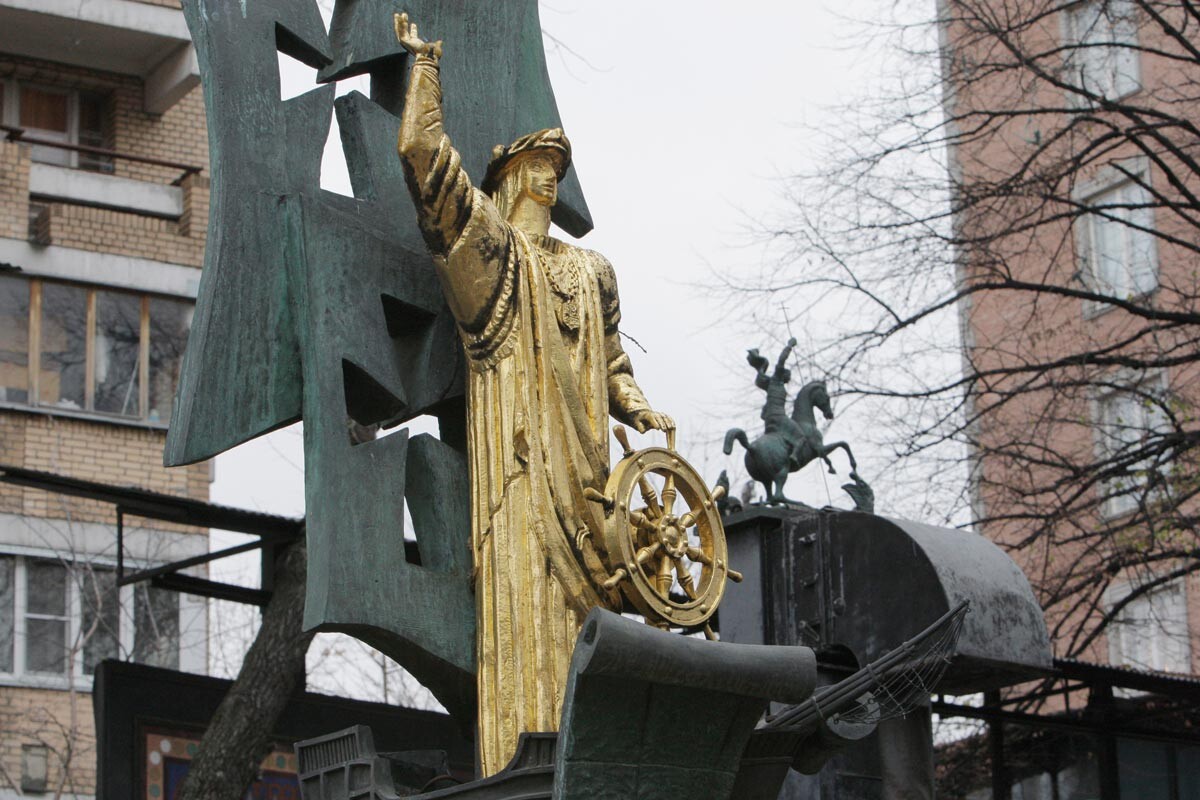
(538, 318)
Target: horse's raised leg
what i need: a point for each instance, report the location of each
(826, 449)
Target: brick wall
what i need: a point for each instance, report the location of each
(120, 232)
(95, 451)
(1008, 332)
(14, 190)
(119, 454)
(62, 721)
(179, 135)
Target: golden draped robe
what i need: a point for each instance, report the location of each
(538, 319)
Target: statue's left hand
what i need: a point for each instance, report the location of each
(652, 420)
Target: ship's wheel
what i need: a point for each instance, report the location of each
(663, 538)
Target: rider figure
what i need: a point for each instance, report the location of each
(774, 411)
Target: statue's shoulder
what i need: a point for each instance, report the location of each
(602, 268)
(592, 261)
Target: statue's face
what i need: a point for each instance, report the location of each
(539, 180)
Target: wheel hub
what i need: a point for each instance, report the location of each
(672, 537)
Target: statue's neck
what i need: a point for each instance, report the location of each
(530, 216)
(803, 411)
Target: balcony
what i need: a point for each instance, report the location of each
(122, 36)
(92, 187)
(89, 226)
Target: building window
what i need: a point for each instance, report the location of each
(59, 619)
(63, 116)
(14, 340)
(46, 619)
(155, 627)
(8, 593)
(1101, 49)
(1126, 421)
(1118, 242)
(91, 350)
(1151, 631)
(118, 336)
(62, 359)
(169, 324)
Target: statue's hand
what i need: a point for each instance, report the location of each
(652, 420)
(406, 33)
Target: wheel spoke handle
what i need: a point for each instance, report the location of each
(616, 578)
(597, 497)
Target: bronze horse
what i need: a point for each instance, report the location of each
(788, 442)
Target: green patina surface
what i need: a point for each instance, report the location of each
(325, 308)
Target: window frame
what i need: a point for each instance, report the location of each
(144, 418)
(1114, 506)
(73, 675)
(1128, 172)
(1116, 629)
(1071, 38)
(27, 615)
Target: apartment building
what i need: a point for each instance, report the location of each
(104, 193)
(1069, 125)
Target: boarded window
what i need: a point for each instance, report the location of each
(46, 114)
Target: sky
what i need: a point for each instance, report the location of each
(685, 118)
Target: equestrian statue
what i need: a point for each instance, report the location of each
(789, 443)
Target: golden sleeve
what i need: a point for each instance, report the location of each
(471, 244)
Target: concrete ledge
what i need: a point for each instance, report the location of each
(171, 80)
(107, 191)
(123, 36)
(127, 14)
(121, 272)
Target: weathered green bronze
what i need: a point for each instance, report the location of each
(790, 442)
(326, 308)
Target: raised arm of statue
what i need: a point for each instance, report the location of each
(451, 212)
(781, 369)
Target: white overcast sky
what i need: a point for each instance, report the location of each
(684, 115)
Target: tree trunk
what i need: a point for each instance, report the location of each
(239, 736)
